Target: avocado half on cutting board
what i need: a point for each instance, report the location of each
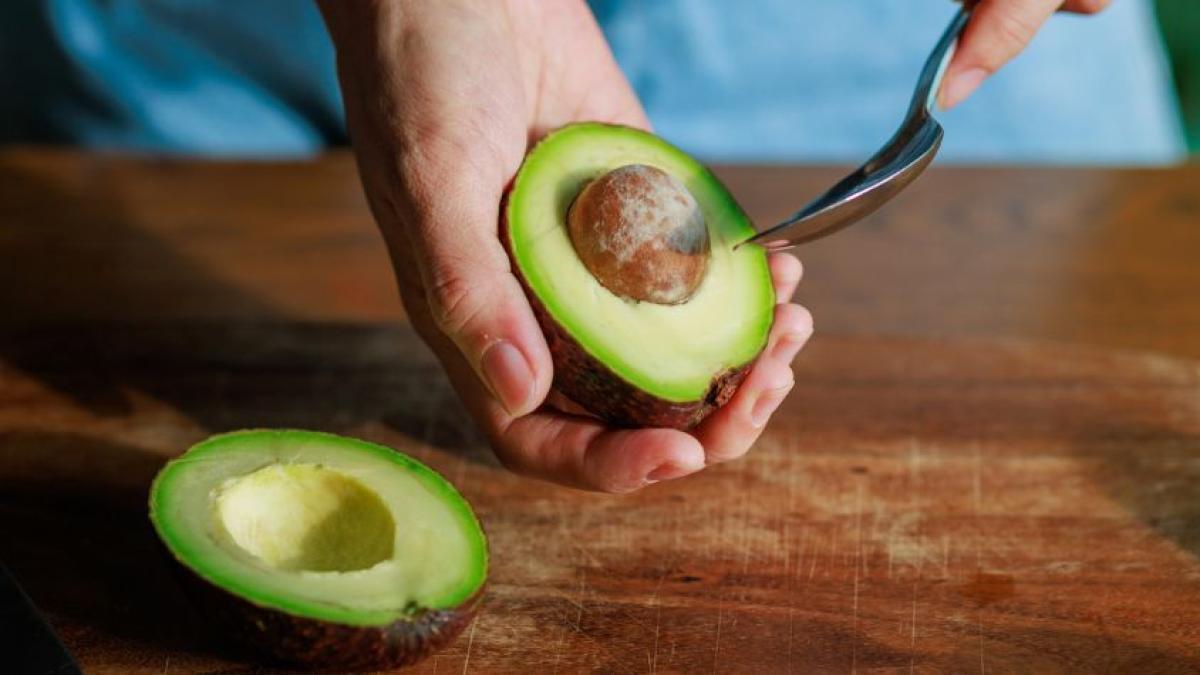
(322, 550)
(627, 250)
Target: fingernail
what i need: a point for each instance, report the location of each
(960, 86)
(669, 471)
(508, 375)
(789, 346)
(767, 403)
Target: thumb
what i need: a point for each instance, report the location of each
(474, 298)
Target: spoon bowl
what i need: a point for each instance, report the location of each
(885, 174)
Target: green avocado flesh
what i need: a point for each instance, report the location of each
(320, 526)
(670, 351)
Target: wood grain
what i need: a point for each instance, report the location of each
(990, 462)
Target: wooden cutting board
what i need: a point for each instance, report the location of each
(932, 505)
(991, 460)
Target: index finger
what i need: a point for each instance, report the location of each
(998, 31)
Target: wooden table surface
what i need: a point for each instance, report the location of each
(991, 460)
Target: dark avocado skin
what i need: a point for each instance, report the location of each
(587, 381)
(312, 643)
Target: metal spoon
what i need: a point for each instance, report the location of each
(899, 163)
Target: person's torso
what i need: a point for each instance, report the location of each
(774, 80)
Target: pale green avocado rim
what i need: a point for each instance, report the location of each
(177, 542)
(732, 218)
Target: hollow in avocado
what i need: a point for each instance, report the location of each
(322, 550)
(626, 248)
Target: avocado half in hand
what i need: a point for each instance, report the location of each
(625, 247)
(322, 550)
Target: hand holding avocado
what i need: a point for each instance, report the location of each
(443, 100)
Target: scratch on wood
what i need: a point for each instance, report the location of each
(787, 572)
(654, 655)
(812, 569)
(982, 667)
(787, 549)
(582, 590)
(745, 517)
(720, 619)
(914, 462)
(558, 646)
(471, 641)
(913, 493)
(590, 556)
(833, 537)
(563, 524)
(717, 642)
(914, 470)
(658, 613)
(800, 553)
(890, 551)
(978, 508)
(978, 504)
(787, 578)
(978, 484)
(864, 560)
(577, 626)
(654, 652)
(857, 557)
(912, 644)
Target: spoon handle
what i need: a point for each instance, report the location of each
(930, 80)
(888, 171)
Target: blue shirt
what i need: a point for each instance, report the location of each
(761, 80)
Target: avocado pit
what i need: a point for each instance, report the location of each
(641, 234)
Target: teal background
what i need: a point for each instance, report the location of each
(1179, 21)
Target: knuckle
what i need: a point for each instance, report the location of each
(454, 302)
(1014, 31)
(796, 316)
(797, 265)
(509, 451)
(727, 454)
(789, 267)
(509, 460)
(792, 322)
(805, 319)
